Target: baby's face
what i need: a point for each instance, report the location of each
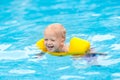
(52, 41)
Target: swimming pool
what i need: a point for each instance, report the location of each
(22, 23)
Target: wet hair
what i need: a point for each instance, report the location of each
(58, 29)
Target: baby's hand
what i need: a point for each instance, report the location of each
(39, 55)
(92, 52)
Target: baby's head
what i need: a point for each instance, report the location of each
(54, 37)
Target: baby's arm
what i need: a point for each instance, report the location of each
(39, 55)
(40, 45)
(92, 52)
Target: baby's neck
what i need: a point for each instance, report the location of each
(64, 48)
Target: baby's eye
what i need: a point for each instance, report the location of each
(46, 39)
(52, 40)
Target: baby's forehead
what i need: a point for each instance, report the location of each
(53, 29)
(56, 29)
(53, 34)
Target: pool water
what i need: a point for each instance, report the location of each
(22, 23)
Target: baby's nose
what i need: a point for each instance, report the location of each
(49, 42)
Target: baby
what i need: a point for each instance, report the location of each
(54, 38)
(53, 43)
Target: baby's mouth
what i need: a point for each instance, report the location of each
(50, 47)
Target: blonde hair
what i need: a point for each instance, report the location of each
(58, 29)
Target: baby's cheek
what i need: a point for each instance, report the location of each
(55, 44)
(45, 44)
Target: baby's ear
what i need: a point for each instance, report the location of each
(62, 42)
(63, 39)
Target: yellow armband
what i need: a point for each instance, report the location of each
(78, 46)
(41, 46)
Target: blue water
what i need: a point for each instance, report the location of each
(22, 23)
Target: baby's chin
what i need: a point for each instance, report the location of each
(51, 50)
